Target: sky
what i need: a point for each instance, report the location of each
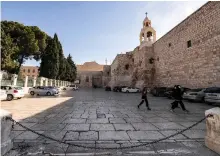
(96, 31)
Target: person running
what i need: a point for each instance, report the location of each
(144, 98)
(177, 94)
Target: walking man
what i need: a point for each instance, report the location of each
(144, 98)
(177, 94)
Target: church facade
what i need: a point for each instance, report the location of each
(188, 55)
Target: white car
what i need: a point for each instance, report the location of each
(13, 92)
(41, 90)
(71, 87)
(3, 94)
(213, 97)
(130, 90)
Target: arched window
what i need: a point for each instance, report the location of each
(149, 34)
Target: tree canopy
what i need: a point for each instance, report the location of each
(20, 43)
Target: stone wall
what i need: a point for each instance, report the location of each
(106, 76)
(195, 66)
(142, 74)
(90, 74)
(90, 78)
(122, 69)
(90, 66)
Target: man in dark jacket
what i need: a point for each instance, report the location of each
(144, 98)
(177, 94)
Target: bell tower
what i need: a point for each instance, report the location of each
(147, 34)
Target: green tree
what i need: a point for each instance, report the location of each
(8, 52)
(20, 43)
(62, 65)
(72, 66)
(50, 60)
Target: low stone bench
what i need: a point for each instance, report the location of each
(212, 138)
(6, 127)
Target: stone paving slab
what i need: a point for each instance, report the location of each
(27, 135)
(100, 121)
(145, 135)
(168, 126)
(90, 135)
(123, 127)
(74, 120)
(194, 134)
(113, 135)
(170, 132)
(144, 126)
(77, 127)
(19, 128)
(117, 120)
(71, 135)
(95, 117)
(133, 120)
(99, 127)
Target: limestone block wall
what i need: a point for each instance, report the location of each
(142, 73)
(195, 66)
(90, 78)
(122, 69)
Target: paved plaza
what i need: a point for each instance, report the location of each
(95, 118)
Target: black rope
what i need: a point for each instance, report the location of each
(111, 148)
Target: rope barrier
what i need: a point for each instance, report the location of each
(111, 148)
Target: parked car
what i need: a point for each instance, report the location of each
(118, 88)
(193, 95)
(108, 88)
(41, 90)
(201, 94)
(71, 87)
(213, 96)
(130, 90)
(158, 91)
(3, 94)
(168, 93)
(13, 92)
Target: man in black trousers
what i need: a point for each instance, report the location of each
(177, 94)
(144, 98)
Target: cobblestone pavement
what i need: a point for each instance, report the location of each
(96, 118)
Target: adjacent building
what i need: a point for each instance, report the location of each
(92, 74)
(30, 71)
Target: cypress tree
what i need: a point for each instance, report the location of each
(50, 60)
(72, 67)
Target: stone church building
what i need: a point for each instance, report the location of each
(188, 55)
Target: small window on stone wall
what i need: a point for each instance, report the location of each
(127, 66)
(132, 60)
(169, 44)
(107, 73)
(158, 59)
(189, 44)
(87, 79)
